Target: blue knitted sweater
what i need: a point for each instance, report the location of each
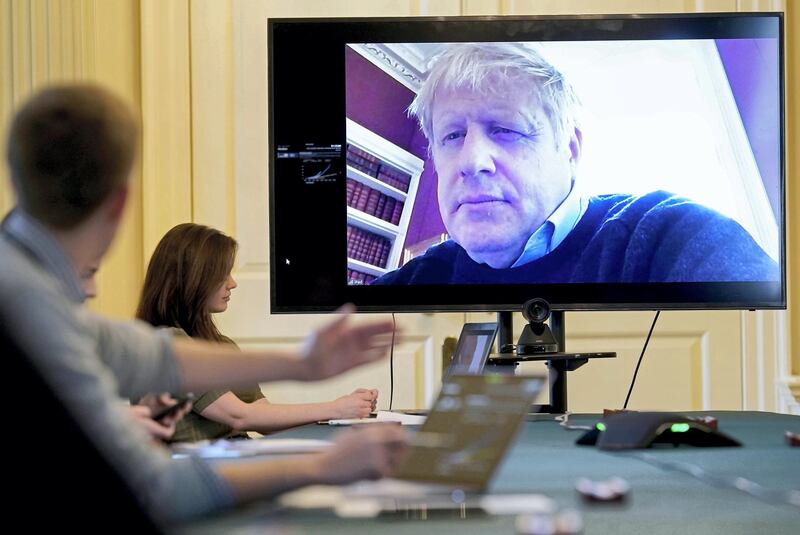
(657, 237)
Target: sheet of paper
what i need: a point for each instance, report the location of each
(383, 417)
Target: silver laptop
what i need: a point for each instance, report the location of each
(470, 356)
(455, 453)
(473, 349)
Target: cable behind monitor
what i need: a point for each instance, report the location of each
(633, 381)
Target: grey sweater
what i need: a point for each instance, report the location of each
(91, 362)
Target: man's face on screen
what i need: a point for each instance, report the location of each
(501, 172)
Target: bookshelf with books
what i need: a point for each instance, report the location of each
(382, 181)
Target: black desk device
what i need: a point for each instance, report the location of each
(636, 430)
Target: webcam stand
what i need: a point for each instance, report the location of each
(558, 363)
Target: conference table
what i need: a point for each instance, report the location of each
(672, 489)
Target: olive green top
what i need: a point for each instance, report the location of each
(194, 426)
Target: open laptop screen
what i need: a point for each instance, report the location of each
(469, 430)
(473, 348)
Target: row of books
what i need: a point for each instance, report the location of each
(367, 247)
(373, 202)
(373, 166)
(356, 278)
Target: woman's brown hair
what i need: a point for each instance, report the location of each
(189, 264)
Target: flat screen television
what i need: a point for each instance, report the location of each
(473, 163)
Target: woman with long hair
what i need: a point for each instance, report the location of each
(189, 279)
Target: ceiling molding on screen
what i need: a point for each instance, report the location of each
(405, 62)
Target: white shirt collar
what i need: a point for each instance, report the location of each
(555, 229)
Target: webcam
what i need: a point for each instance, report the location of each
(536, 337)
(536, 310)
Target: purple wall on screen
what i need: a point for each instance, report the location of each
(378, 102)
(752, 69)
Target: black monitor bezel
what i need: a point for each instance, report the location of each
(311, 293)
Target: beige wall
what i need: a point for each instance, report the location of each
(195, 70)
(50, 41)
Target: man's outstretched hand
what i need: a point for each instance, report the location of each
(341, 345)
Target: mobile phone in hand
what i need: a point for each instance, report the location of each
(179, 404)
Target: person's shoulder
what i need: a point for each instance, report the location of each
(663, 216)
(655, 204)
(21, 275)
(628, 201)
(177, 332)
(15, 264)
(674, 208)
(433, 266)
(444, 250)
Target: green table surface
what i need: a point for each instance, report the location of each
(545, 460)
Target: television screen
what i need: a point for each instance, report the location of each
(474, 163)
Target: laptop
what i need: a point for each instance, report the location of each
(455, 453)
(470, 356)
(473, 348)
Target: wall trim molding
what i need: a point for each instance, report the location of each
(166, 119)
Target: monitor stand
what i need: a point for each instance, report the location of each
(558, 364)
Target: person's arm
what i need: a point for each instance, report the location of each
(331, 350)
(265, 417)
(368, 453)
(67, 354)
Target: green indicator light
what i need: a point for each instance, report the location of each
(679, 428)
(601, 426)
